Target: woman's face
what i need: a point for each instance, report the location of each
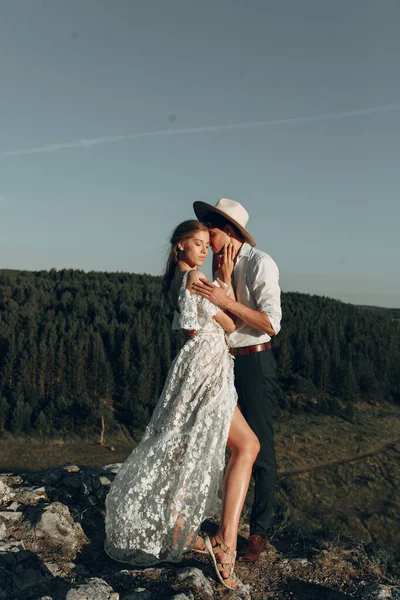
(195, 249)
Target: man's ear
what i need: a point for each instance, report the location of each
(228, 229)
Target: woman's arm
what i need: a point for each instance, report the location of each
(226, 322)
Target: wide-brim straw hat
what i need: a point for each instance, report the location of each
(231, 210)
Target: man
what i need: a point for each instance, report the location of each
(258, 314)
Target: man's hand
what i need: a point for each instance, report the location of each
(216, 295)
(190, 333)
(219, 297)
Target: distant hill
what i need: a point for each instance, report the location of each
(394, 313)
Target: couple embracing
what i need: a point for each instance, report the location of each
(176, 477)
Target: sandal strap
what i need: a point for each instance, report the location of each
(225, 549)
(225, 567)
(198, 540)
(230, 581)
(231, 578)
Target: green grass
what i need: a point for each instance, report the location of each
(356, 499)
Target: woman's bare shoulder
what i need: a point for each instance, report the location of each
(194, 276)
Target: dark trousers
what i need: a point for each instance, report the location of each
(254, 382)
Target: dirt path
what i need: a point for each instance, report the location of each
(333, 463)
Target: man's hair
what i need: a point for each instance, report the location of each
(213, 219)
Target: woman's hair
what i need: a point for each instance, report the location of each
(182, 232)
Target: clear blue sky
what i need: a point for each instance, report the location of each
(315, 84)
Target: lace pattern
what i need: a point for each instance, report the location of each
(172, 480)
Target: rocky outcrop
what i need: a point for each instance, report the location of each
(377, 591)
(93, 588)
(51, 548)
(58, 531)
(21, 571)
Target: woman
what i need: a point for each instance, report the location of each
(172, 480)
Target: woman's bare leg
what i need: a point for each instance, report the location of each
(244, 447)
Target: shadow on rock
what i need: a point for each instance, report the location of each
(290, 546)
(302, 590)
(23, 574)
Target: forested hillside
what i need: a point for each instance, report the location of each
(76, 346)
(394, 313)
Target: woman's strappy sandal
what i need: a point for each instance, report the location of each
(197, 549)
(229, 582)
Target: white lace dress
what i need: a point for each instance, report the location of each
(172, 480)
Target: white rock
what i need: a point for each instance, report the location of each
(10, 516)
(113, 468)
(12, 546)
(377, 591)
(58, 527)
(196, 580)
(301, 562)
(4, 492)
(242, 592)
(124, 572)
(72, 468)
(10, 478)
(93, 589)
(3, 531)
(27, 495)
(105, 481)
(57, 571)
(4, 489)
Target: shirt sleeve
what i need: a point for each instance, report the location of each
(265, 286)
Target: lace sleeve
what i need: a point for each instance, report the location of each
(188, 317)
(208, 309)
(194, 311)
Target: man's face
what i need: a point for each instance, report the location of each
(217, 239)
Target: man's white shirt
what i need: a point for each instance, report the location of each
(256, 285)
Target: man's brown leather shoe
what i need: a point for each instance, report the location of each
(252, 549)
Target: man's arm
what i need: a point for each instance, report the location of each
(254, 318)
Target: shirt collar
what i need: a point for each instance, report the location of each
(244, 251)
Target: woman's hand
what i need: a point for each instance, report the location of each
(226, 263)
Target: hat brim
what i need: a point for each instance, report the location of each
(201, 209)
